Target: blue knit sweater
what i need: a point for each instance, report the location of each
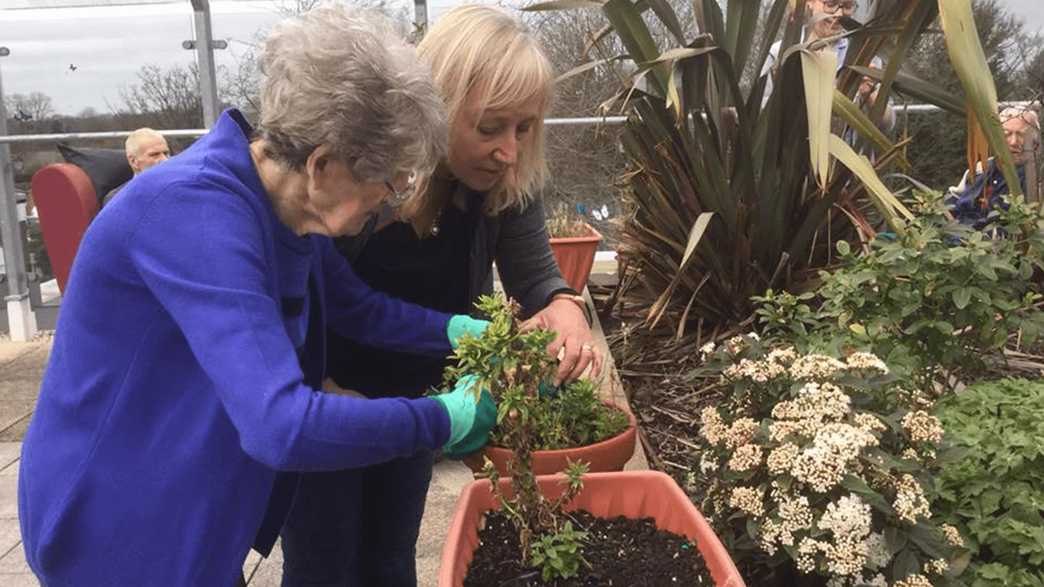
(174, 390)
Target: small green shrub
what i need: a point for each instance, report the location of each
(995, 494)
(822, 468)
(559, 555)
(573, 417)
(930, 302)
(513, 365)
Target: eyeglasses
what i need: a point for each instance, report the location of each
(845, 5)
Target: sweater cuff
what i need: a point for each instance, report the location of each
(438, 421)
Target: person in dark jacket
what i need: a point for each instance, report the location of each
(190, 346)
(437, 248)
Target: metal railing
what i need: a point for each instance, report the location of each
(21, 321)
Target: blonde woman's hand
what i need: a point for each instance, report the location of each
(573, 344)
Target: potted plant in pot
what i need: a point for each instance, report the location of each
(574, 243)
(646, 509)
(620, 528)
(567, 424)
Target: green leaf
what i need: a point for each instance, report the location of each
(860, 488)
(905, 564)
(818, 70)
(961, 298)
(886, 202)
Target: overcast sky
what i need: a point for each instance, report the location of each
(109, 44)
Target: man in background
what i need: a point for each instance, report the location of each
(145, 148)
(973, 199)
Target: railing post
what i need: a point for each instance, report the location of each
(20, 318)
(205, 61)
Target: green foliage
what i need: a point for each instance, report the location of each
(994, 494)
(722, 198)
(823, 467)
(573, 417)
(559, 554)
(931, 301)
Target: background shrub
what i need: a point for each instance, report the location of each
(995, 493)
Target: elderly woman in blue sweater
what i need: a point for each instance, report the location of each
(190, 346)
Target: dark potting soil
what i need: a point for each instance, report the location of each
(619, 551)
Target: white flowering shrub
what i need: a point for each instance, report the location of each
(823, 467)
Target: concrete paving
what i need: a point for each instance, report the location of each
(21, 371)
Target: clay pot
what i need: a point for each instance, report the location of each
(610, 454)
(633, 494)
(575, 256)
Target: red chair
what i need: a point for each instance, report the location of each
(66, 204)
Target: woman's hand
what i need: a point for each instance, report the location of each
(573, 343)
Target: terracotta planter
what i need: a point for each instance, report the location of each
(575, 256)
(634, 494)
(610, 454)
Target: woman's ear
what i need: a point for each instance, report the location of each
(315, 166)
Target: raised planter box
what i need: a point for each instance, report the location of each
(633, 494)
(610, 454)
(575, 256)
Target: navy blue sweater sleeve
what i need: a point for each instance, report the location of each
(203, 256)
(359, 313)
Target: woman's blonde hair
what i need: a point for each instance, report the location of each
(483, 51)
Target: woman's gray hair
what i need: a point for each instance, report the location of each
(343, 78)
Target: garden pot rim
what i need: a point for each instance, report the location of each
(594, 236)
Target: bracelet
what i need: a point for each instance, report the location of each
(579, 301)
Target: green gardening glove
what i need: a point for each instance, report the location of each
(462, 324)
(470, 421)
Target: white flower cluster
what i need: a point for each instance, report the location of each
(909, 500)
(794, 515)
(869, 423)
(807, 550)
(706, 350)
(815, 366)
(914, 581)
(953, 535)
(736, 344)
(756, 371)
(745, 458)
(782, 458)
(816, 404)
(824, 464)
(923, 427)
(740, 433)
(749, 500)
(713, 428)
(866, 362)
(936, 566)
(708, 464)
(849, 520)
(782, 356)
